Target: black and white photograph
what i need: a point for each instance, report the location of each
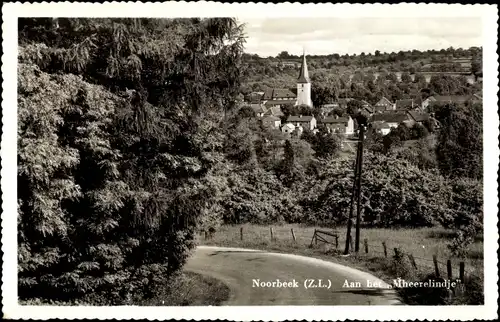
(333, 159)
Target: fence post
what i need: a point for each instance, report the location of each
(272, 233)
(366, 245)
(336, 242)
(205, 235)
(312, 239)
(448, 269)
(462, 272)
(412, 260)
(436, 267)
(385, 248)
(293, 235)
(241, 233)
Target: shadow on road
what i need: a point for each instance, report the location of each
(221, 252)
(389, 294)
(370, 292)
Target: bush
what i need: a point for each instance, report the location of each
(394, 193)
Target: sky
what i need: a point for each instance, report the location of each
(268, 37)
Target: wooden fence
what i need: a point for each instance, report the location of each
(333, 238)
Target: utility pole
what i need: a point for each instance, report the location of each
(358, 194)
(351, 209)
(356, 190)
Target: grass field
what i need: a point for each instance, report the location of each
(421, 243)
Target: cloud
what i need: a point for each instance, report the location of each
(356, 35)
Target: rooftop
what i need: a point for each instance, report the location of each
(278, 102)
(380, 125)
(304, 73)
(274, 93)
(383, 101)
(389, 117)
(258, 108)
(271, 118)
(300, 118)
(334, 120)
(418, 117)
(404, 103)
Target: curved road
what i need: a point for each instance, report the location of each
(240, 269)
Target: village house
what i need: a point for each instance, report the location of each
(418, 117)
(384, 105)
(281, 94)
(407, 104)
(344, 125)
(271, 121)
(380, 127)
(288, 128)
(289, 64)
(274, 111)
(254, 97)
(391, 119)
(307, 122)
(367, 107)
(258, 109)
(427, 102)
(261, 110)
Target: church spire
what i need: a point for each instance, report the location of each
(304, 73)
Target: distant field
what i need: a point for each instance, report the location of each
(421, 243)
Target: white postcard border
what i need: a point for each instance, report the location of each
(12, 11)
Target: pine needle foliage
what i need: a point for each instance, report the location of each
(119, 128)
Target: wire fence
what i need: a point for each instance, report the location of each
(451, 268)
(335, 241)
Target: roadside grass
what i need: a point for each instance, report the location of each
(422, 243)
(190, 289)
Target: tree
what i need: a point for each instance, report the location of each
(402, 132)
(354, 107)
(392, 77)
(430, 124)
(289, 109)
(405, 78)
(443, 85)
(114, 168)
(325, 88)
(338, 111)
(476, 66)
(418, 131)
(286, 168)
(460, 140)
(283, 55)
(420, 79)
(326, 144)
(309, 137)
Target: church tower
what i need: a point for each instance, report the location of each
(304, 84)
